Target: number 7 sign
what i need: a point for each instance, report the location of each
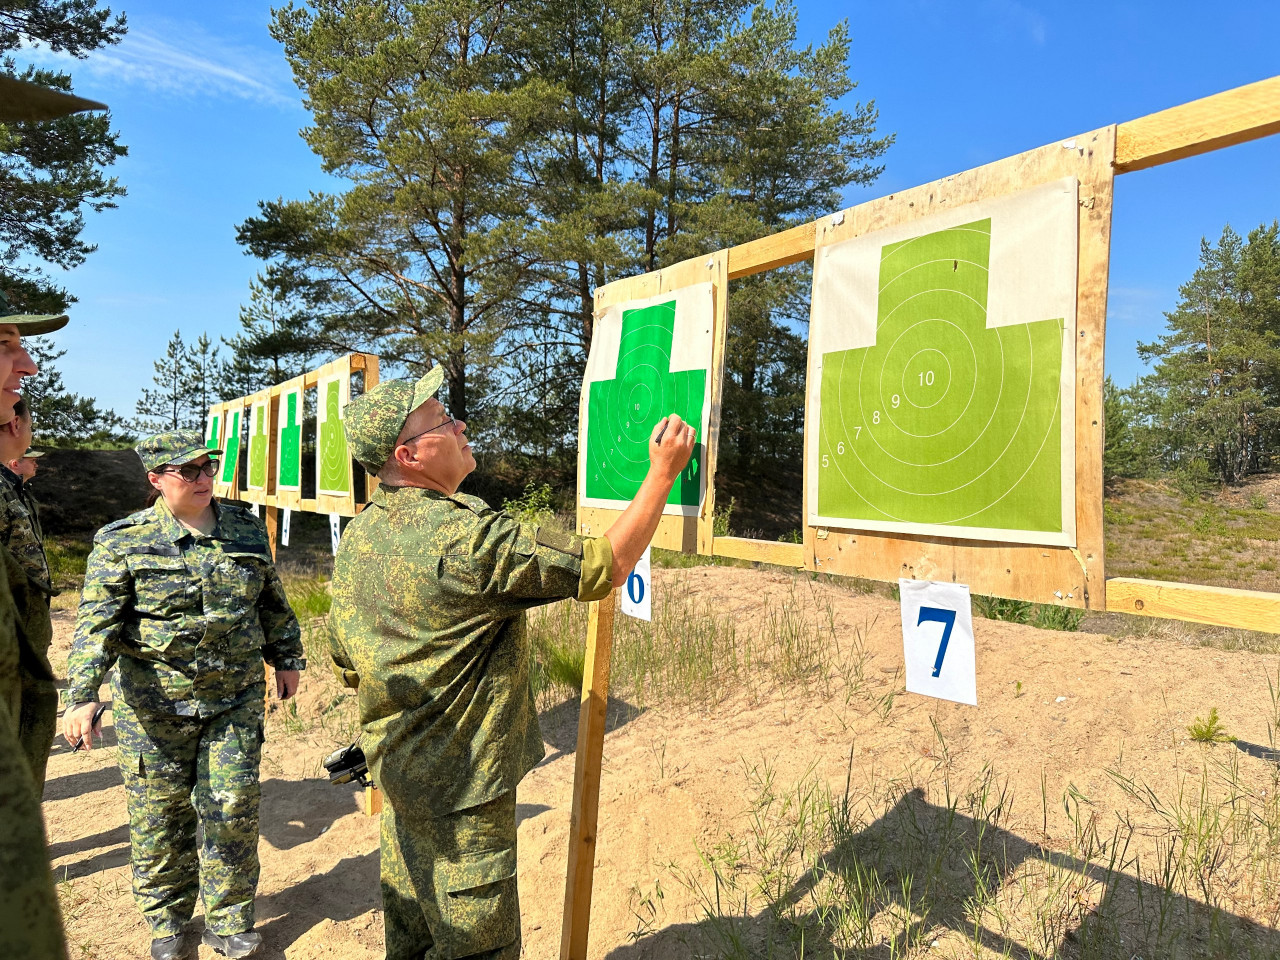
(937, 640)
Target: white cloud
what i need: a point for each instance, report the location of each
(182, 59)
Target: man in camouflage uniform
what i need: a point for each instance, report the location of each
(20, 532)
(26, 465)
(30, 925)
(187, 618)
(430, 590)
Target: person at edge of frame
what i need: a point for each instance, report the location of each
(20, 532)
(428, 624)
(30, 922)
(183, 599)
(26, 465)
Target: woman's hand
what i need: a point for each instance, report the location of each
(286, 683)
(78, 723)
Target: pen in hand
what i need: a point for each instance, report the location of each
(97, 718)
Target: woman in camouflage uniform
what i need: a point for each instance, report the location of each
(183, 598)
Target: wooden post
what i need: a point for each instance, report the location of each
(586, 781)
(372, 801)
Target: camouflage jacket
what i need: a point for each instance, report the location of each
(20, 528)
(188, 618)
(30, 925)
(428, 623)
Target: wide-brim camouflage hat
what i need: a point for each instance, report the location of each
(30, 324)
(374, 420)
(175, 447)
(22, 100)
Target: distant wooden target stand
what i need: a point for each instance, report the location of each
(262, 440)
(954, 415)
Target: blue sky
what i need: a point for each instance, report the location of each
(204, 100)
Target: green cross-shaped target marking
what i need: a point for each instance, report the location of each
(622, 412)
(943, 420)
(215, 429)
(291, 445)
(258, 449)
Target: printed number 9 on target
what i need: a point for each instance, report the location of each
(637, 592)
(937, 640)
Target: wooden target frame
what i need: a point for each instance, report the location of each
(1067, 576)
(269, 495)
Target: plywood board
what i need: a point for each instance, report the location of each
(1044, 573)
(942, 383)
(684, 532)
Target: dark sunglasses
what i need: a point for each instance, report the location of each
(191, 472)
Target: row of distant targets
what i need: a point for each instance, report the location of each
(225, 430)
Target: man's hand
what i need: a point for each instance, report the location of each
(670, 447)
(286, 683)
(78, 723)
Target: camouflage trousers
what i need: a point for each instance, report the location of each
(177, 770)
(449, 883)
(38, 724)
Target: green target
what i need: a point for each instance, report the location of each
(623, 411)
(944, 420)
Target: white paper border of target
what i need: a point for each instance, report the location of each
(1038, 240)
(937, 640)
(692, 348)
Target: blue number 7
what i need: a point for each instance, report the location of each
(948, 620)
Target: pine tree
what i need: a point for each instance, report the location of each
(51, 172)
(169, 404)
(1213, 392)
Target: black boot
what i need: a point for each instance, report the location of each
(170, 948)
(236, 945)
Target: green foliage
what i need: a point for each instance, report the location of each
(310, 597)
(720, 522)
(68, 559)
(52, 171)
(1194, 479)
(1214, 395)
(1122, 455)
(1209, 730)
(532, 506)
(1046, 616)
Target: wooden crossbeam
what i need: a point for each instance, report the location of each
(759, 551)
(1235, 116)
(1221, 606)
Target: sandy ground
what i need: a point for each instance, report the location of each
(675, 778)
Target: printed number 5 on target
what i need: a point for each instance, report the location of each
(637, 592)
(937, 640)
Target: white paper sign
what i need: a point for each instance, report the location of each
(637, 592)
(937, 639)
(284, 527)
(257, 511)
(335, 530)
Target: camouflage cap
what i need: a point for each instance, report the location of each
(32, 454)
(374, 420)
(30, 324)
(176, 447)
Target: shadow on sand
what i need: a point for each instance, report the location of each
(851, 902)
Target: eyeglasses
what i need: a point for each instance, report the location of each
(191, 472)
(448, 422)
